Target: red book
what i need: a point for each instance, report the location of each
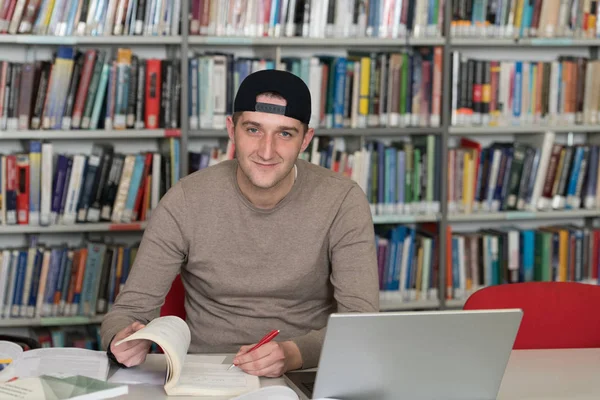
(153, 93)
(23, 189)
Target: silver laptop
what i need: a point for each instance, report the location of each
(412, 355)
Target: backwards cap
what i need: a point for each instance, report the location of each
(287, 85)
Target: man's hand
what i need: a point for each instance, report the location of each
(271, 360)
(130, 353)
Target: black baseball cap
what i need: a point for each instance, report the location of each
(289, 86)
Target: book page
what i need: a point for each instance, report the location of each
(173, 335)
(63, 362)
(199, 378)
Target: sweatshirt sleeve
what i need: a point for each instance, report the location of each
(354, 274)
(162, 252)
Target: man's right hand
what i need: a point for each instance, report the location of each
(130, 353)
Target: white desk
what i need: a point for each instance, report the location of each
(530, 374)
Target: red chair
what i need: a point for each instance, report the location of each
(556, 315)
(175, 300)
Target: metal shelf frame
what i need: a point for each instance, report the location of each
(184, 43)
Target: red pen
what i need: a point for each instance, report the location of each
(266, 339)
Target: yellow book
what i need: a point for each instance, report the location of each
(365, 76)
(563, 254)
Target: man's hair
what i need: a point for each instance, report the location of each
(272, 95)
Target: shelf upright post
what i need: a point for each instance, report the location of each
(446, 110)
(183, 101)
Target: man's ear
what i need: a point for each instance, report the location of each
(307, 138)
(230, 128)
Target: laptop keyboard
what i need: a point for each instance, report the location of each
(310, 386)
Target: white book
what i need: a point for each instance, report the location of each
(73, 193)
(109, 20)
(545, 143)
(16, 17)
(175, 17)
(155, 192)
(3, 191)
(12, 279)
(315, 79)
(5, 259)
(119, 17)
(26, 310)
(219, 93)
(39, 306)
(123, 188)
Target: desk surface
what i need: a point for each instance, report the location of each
(530, 374)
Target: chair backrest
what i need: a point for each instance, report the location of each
(175, 300)
(555, 314)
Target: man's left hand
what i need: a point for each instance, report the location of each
(271, 360)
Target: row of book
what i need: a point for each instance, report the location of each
(91, 89)
(319, 19)
(78, 336)
(408, 262)
(51, 281)
(509, 255)
(502, 93)
(522, 19)
(44, 188)
(399, 178)
(90, 17)
(356, 91)
(209, 156)
(535, 173)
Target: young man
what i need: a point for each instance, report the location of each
(265, 241)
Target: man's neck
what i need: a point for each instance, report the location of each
(266, 198)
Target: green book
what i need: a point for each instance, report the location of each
(51, 388)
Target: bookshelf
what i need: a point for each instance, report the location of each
(183, 45)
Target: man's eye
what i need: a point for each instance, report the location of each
(252, 130)
(286, 134)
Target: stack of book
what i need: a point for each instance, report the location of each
(504, 93)
(318, 19)
(408, 263)
(90, 17)
(41, 188)
(52, 281)
(523, 19)
(91, 89)
(488, 257)
(533, 174)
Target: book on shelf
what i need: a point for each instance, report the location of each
(91, 17)
(535, 173)
(90, 89)
(325, 18)
(41, 188)
(359, 90)
(408, 262)
(503, 255)
(525, 19)
(77, 336)
(563, 91)
(399, 178)
(52, 281)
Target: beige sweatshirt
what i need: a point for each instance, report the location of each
(247, 270)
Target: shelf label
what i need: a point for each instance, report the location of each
(520, 215)
(172, 132)
(125, 227)
(228, 40)
(552, 42)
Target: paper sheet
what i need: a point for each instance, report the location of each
(152, 372)
(204, 377)
(63, 362)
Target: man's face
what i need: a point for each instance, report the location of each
(267, 145)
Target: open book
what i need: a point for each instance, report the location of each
(185, 375)
(56, 362)
(52, 388)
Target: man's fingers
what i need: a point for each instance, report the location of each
(244, 350)
(271, 371)
(255, 355)
(139, 346)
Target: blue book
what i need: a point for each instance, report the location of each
(134, 186)
(340, 65)
(19, 284)
(528, 255)
(517, 90)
